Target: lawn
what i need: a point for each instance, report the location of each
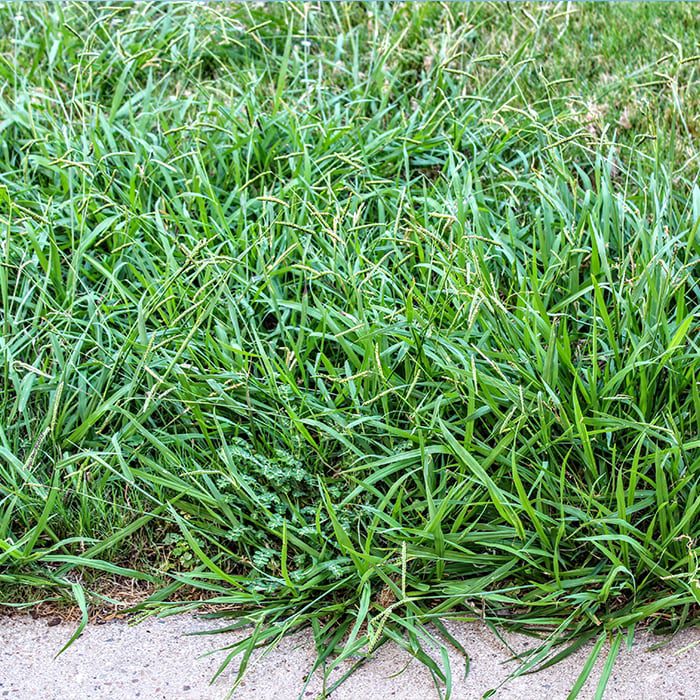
(356, 317)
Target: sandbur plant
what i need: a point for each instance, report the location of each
(356, 318)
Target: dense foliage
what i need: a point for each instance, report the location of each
(336, 315)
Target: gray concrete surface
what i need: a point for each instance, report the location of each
(156, 659)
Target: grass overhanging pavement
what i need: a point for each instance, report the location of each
(356, 317)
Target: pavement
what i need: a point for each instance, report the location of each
(160, 659)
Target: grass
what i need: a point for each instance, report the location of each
(354, 317)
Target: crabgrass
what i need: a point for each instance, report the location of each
(354, 317)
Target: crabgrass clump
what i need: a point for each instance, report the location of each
(349, 322)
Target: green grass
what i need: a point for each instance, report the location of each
(354, 317)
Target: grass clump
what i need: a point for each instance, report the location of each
(337, 317)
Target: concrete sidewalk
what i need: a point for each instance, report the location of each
(157, 660)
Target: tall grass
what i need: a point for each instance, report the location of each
(346, 334)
